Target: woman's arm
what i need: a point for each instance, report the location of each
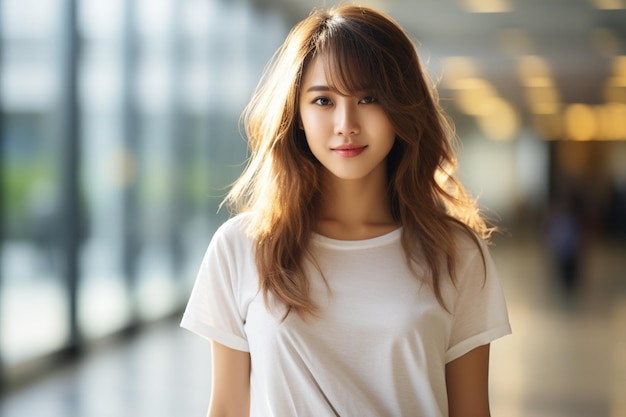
(230, 391)
(467, 380)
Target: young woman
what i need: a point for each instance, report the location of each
(354, 280)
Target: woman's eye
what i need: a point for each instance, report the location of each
(368, 100)
(322, 101)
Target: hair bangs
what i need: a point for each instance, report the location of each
(352, 66)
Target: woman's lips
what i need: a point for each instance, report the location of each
(349, 151)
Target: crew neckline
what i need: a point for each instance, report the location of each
(357, 244)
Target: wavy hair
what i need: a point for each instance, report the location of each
(366, 50)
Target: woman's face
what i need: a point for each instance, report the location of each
(350, 136)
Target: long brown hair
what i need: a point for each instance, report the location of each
(366, 51)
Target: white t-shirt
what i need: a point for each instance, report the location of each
(381, 343)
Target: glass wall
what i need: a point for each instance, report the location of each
(104, 302)
(153, 90)
(34, 300)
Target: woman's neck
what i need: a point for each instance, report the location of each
(355, 209)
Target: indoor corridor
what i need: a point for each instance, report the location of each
(120, 134)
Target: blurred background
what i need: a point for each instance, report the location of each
(119, 136)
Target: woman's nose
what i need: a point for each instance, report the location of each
(346, 121)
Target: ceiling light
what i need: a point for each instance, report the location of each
(609, 4)
(501, 121)
(542, 95)
(533, 66)
(615, 90)
(611, 121)
(580, 122)
(619, 66)
(545, 108)
(472, 95)
(458, 67)
(538, 82)
(487, 6)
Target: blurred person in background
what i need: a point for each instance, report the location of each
(565, 240)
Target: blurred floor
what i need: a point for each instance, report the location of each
(567, 354)
(566, 357)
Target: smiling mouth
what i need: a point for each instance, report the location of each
(349, 151)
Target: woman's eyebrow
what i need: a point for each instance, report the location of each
(326, 88)
(319, 88)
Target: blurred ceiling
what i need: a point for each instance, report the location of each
(540, 57)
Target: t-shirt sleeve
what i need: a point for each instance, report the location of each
(480, 312)
(214, 307)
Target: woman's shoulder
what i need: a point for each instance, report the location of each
(238, 221)
(235, 228)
